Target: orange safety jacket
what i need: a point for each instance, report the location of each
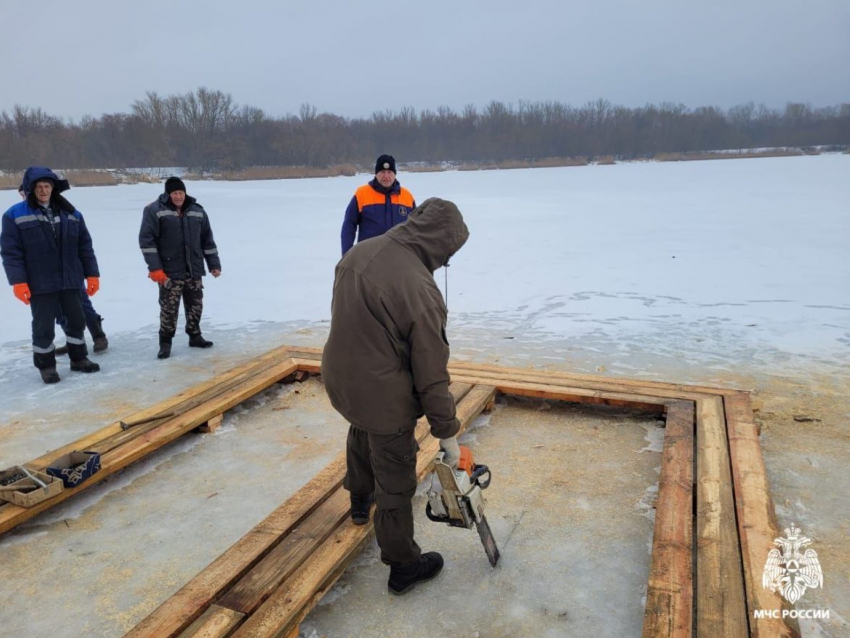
(373, 211)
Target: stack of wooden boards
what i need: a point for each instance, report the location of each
(271, 578)
(714, 524)
(188, 410)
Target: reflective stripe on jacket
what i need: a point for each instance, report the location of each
(46, 261)
(179, 244)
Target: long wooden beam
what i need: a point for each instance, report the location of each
(757, 527)
(603, 385)
(640, 386)
(721, 609)
(190, 601)
(238, 569)
(623, 392)
(281, 614)
(560, 392)
(304, 545)
(189, 397)
(244, 384)
(256, 587)
(670, 593)
(720, 569)
(568, 393)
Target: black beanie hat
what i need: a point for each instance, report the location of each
(174, 184)
(385, 163)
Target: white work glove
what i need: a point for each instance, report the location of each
(452, 450)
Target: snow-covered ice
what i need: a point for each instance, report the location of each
(751, 253)
(705, 271)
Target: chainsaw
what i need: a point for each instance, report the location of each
(456, 498)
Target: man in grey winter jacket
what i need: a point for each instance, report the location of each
(176, 239)
(385, 365)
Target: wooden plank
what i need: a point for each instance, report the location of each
(237, 374)
(189, 602)
(574, 394)
(757, 526)
(289, 604)
(125, 436)
(258, 584)
(670, 594)
(604, 385)
(521, 381)
(170, 404)
(179, 425)
(189, 402)
(308, 365)
(541, 386)
(304, 351)
(293, 600)
(212, 425)
(721, 608)
(640, 386)
(151, 440)
(176, 613)
(216, 622)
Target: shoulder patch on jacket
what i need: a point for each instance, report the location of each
(405, 198)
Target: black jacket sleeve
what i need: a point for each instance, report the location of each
(208, 245)
(148, 238)
(12, 252)
(85, 250)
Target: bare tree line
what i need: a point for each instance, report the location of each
(207, 130)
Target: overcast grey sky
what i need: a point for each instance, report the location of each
(80, 57)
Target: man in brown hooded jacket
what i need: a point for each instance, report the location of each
(385, 365)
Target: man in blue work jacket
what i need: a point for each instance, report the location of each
(47, 251)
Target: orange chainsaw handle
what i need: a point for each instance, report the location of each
(465, 464)
(475, 472)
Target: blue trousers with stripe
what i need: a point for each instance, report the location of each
(45, 308)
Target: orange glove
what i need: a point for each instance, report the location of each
(159, 277)
(22, 292)
(93, 285)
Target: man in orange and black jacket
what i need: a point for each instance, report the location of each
(377, 206)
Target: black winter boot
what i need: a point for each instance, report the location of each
(164, 349)
(49, 375)
(62, 350)
(84, 365)
(101, 343)
(198, 341)
(404, 578)
(360, 505)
